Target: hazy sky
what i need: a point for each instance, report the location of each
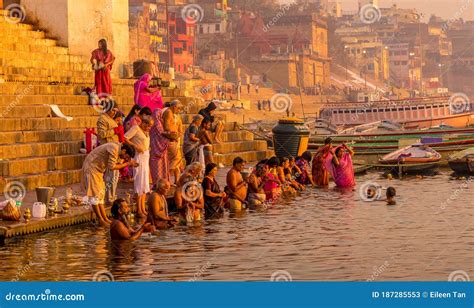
(444, 8)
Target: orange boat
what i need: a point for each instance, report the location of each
(413, 154)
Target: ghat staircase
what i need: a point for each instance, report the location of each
(37, 149)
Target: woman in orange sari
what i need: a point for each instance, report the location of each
(319, 172)
(102, 60)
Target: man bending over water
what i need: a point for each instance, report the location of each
(158, 207)
(120, 228)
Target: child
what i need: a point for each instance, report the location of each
(119, 130)
(391, 193)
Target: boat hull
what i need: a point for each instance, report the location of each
(457, 121)
(462, 166)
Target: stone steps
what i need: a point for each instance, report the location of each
(250, 156)
(38, 149)
(19, 137)
(68, 177)
(10, 138)
(17, 167)
(34, 124)
(7, 46)
(51, 178)
(241, 146)
(14, 88)
(14, 57)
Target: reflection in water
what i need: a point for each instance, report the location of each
(323, 234)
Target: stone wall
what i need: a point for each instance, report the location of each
(80, 24)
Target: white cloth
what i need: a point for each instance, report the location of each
(141, 177)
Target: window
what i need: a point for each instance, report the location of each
(218, 27)
(201, 29)
(178, 51)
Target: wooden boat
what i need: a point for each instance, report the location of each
(416, 157)
(462, 162)
(423, 112)
(397, 135)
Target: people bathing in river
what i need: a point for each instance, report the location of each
(319, 172)
(273, 186)
(188, 194)
(339, 165)
(139, 137)
(147, 96)
(217, 126)
(110, 156)
(256, 194)
(285, 177)
(390, 194)
(303, 163)
(236, 187)
(214, 198)
(120, 228)
(158, 214)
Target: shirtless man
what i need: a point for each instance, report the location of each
(120, 228)
(172, 128)
(236, 186)
(158, 206)
(205, 139)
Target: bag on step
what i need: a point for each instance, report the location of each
(10, 212)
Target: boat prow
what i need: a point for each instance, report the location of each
(462, 162)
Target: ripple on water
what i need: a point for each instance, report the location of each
(323, 234)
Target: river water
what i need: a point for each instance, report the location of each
(323, 234)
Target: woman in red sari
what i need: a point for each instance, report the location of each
(102, 60)
(320, 173)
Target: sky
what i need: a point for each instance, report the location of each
(443, 8)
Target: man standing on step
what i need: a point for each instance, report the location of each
(109, 156)
(171, 125)
(102, 60)
(106, 133)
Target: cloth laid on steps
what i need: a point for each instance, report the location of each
(58, 113)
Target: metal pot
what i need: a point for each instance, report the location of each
(44, 194)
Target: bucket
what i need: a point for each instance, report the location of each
(44, 194)
(39, 210)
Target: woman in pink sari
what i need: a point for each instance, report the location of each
(339, 165)
(102, 60)
(146, 96)
(159, 150)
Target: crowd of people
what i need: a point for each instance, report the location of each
(150, 148)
